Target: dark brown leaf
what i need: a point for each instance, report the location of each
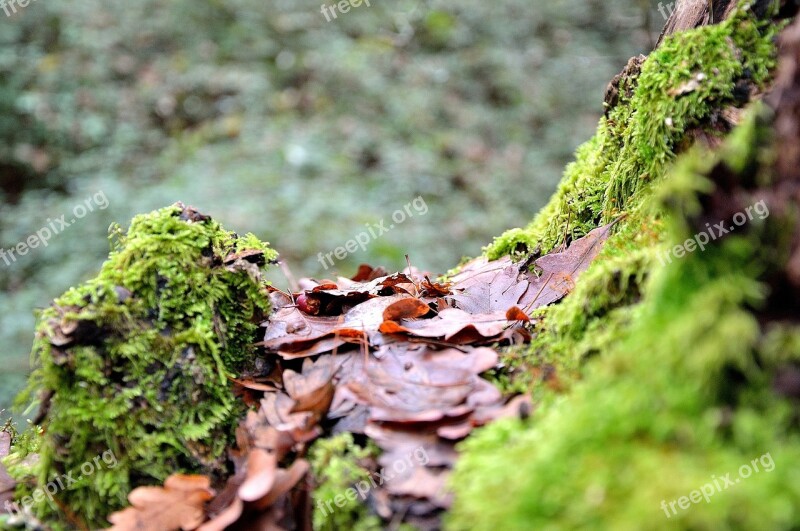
(434, 289)
(367, 273)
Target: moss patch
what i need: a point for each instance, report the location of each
(617, 173)
(684, 394)
(684, 390)
(137, 361)
(338, 464)
(636, 143)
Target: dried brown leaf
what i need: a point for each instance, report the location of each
(485, 287)
(408, 308)
(368, 315)
(367, 273)
(311, 389)
(453, 326)
(559, 271)
(290, 330)
(515, 314)
(336, 299)
(399, 443)
(423, 483)
(225, 518)
(262, 468)
(179, 504)
(285, 481)
(434, 289)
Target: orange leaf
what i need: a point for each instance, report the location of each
(515, 314)
(262, 467)
(180, 504)
(406, 309)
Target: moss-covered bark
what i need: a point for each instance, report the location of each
(134, 365)
(689, 348)
(655, 375)
(654, 116)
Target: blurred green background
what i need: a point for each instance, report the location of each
(273, 120)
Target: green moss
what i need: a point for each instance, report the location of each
(594, 316)
(336, 464)
(683, 392)
(138, 360)
(616, 174)
(637, 142)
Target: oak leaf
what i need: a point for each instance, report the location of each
(484, 286)
(453, 326)
(179, 504)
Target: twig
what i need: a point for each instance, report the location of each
(293, 285)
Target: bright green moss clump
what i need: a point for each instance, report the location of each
(335, 463)
(665, 369)
(138, 359)
(684, 395)
(682, 84)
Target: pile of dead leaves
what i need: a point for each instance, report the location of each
(392, 358)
